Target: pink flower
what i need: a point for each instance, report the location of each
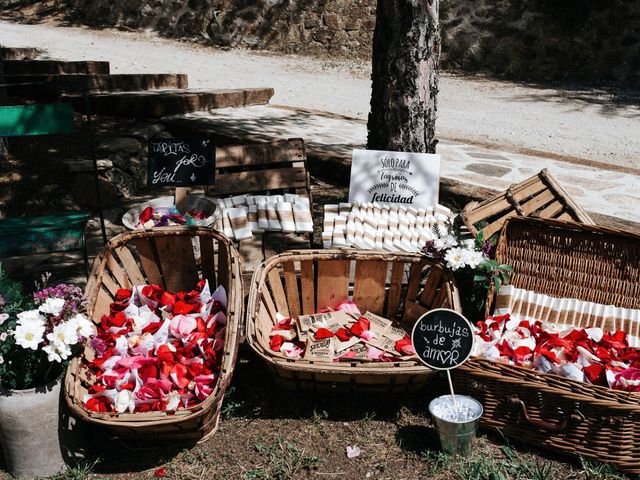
(182, 325)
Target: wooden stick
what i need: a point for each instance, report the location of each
(453, 395)
(181, 199)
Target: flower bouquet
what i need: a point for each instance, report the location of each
(472, 262)
(156, 350)
(38, 337)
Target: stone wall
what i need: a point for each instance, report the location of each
(585, 40)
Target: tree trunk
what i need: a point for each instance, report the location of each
(406, 52)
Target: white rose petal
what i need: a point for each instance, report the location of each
(125, 400)
(173, 401)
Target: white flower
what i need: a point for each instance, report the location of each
(52, 306)
(472, 258)
(63, 335)
(29, 335)
(3, 336)
(125, 400)
(1, 360)
(31, 317)
(444, 242)
(455, 258)
(84, 327)
(56, 352)
(3, 317)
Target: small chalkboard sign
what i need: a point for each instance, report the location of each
(179, 162)
(443, 339)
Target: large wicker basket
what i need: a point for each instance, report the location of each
(399, 286)
(566, 260)
(175, 258)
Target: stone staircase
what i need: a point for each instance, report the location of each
(120, 95)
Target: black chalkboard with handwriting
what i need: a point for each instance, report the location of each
(179, 162)
(443, 339)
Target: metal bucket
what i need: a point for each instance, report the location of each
(456, 437)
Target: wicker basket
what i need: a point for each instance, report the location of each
(175, 258)
(539, 196)
(566, 260)
(399, 286)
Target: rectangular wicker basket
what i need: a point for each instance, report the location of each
(175, 258)
(399, 286)
(566, 260)
(539, 196)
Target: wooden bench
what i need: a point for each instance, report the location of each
(38, 235)
(263, 169)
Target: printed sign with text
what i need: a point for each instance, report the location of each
(409, 179)
(179, 163)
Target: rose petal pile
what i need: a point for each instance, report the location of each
(590, 355)
(166, 217)
(157, 350)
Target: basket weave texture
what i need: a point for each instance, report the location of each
(400, 287)
(175, 258)
(566, 260)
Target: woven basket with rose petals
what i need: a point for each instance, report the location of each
(174, 258)
(565, 260)
(400, 287)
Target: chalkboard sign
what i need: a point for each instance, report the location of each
(179, 163)
(443, 339)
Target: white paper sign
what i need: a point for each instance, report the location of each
(395, 177)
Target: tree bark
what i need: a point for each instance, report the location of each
(406, 52)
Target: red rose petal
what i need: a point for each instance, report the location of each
(276, 342)
(322, 333)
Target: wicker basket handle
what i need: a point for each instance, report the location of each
(570, 420)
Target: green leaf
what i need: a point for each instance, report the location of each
(497, 282)
(506, 267)
(479, 278)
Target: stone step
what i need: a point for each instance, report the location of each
(55, 85)
(160, 103)
(18, 53)
(47, 67)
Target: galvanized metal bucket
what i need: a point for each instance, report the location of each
(457, 437)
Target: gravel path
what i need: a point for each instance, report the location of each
(586, 124)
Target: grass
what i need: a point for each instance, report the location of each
(284, 460)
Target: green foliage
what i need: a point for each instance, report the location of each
(285, 460)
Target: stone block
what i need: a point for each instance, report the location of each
(331, 21)
(144, 132)
(86, 165)
(119, 144)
